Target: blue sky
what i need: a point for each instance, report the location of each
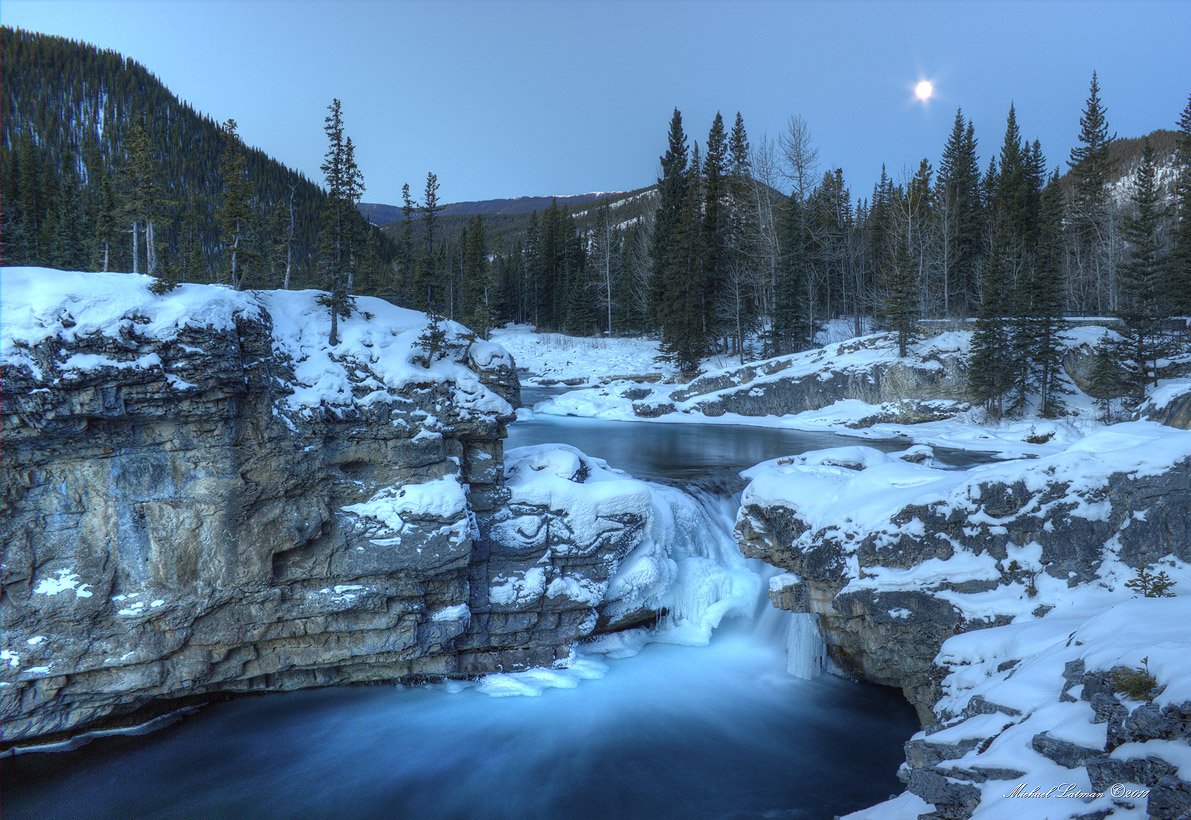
(507, 99)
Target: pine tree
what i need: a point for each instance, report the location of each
(1047, 299)
(1091, 166)
(1141, 284)
(355, 230)
(714, 244)
(1105, 383)
(234, 211)
(406, 288)
(140, 193)
(1180, 256)
(990, 371)
(900, 310)
(683, 333)
(477, 284)
(428, 272)
(665, 278)
(960, 214)
(335, 238)
(738, 149)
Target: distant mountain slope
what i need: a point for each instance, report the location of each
(383, 214)
(508, 219)
(1125, 155)
(68, 108)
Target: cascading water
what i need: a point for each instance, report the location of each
(677, 730)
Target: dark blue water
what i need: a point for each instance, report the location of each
(675, 731)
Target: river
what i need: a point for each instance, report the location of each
(675, 731)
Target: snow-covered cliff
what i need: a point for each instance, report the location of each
(997, 598)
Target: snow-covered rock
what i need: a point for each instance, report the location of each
(201, 494)
(996, 599)
(598, 551)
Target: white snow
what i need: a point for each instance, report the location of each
(373, 360)
(558, 357)
(399, 507)
(67, 579)
(458, 612)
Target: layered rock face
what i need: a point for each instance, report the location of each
(198, 494)
(996, 599)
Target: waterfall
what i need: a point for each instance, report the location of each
(727, 584)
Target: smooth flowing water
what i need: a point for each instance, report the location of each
(675, 731)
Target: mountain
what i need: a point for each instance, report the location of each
(68, 111)
(1125, 156)
(382, 214)
(506, 220)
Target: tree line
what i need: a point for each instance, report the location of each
(741, 249)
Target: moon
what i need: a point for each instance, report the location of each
(924, 90)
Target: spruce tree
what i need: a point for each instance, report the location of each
(714, 243)
(683, 333)
(234, 211)
(334, 251)
(738, 149)
(1180, 257)
(429, 288)
(960, 213)
(666, 275)
(355, 230)
(140, 178)
(1047, 299)
(902, 292)
(1142, 288)
(989, 369)
(477, 284)
(406, 288)
(1088, 214)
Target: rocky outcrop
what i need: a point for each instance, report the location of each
(866, 369)
(198, 494)
(1170, 404)
(964, 588)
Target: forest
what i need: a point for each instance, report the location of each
(742, 248)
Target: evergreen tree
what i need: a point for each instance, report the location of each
(683, 333)
(1142, 288)
(1046, 353)
(990, 366)
(960, 213)
(667, 262)
(140, 194)
(1180, 256)
(234, 211)
(477, 284)
(902, 291)
(406, 288)
(714, 243)
(738, 149)
(1105, 382)
(355, 234)
(1088, 214)
(429, 290)
(334, 250)
(104, 218)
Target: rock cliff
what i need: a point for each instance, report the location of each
(996, 599)
(199, 494)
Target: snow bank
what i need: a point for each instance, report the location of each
(555, 357)
(373, 361)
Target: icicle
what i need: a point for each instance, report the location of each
(806, 654)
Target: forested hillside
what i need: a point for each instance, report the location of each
(743, 246)
(93, 142)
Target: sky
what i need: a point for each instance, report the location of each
(507, 99)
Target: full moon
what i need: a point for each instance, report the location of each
(924, 90)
